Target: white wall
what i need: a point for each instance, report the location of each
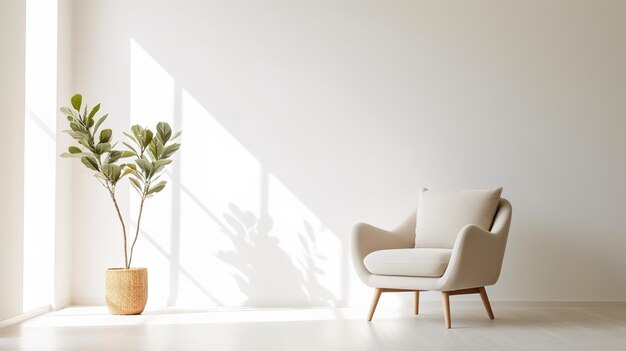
(12, 32)
(302, 118)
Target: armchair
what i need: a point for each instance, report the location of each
(474, 261)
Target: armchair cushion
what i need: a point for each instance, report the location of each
(408, 262)
(441, 214)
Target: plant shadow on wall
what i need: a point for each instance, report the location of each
(266, 273)
(270, 254)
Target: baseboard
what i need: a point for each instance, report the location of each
(528, 304)
(460, 302)
(562, 303)
(24, 316)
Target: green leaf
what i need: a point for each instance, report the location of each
(126, 170)
(102, 148)
(75, 135)
(113, 156)
(170, 150)
(68, 112)
(90, 162)
(132, 169)
(147, 137)
(156, 148)
(126, 154)
(99, 122)
(165, 131)
(136, 184)
(93, 112)
(176, 135)
(137, 174)
(74, 150)
(101, 176)
(117, 171)
(159, 164)
(77, 101)
(145, 165)
(85, 142)
(77, 127)
(157, 187)
(112, 172)
(105, 135)
(77, 155)
(137, 131)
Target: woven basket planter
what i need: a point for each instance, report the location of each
(126, 290)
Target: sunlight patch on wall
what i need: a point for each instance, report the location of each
(151, 89)
(152, 100)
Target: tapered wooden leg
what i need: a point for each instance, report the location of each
(417, 302)
(377, 293)
(483, 296)
(445, 295)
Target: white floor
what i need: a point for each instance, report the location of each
(515, 328)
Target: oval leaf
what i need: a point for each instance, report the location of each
(90, 162)
(136, 184)
(165, 131)
(170, 150)
(102, 148)
(157, 187)
(77, 100)
(105, 135)
(93, 112)
(147, 137)
(145, 165)
(99, 122)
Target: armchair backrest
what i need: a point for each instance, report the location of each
(441, 214)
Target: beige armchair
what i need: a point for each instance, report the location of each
(473, 262)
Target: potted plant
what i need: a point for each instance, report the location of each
(146, 155)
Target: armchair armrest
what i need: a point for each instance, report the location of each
(366, 238)
(477, 254)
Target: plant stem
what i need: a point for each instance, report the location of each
(119, 214)
(132, 247)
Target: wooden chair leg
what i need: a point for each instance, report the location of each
(445, 295)
(417, 302)
(483, 296)
(377, 293)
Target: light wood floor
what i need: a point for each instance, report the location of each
(514, 328)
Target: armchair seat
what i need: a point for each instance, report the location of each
(420, 262)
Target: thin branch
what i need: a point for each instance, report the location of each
(132, 247)
(119, 214)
